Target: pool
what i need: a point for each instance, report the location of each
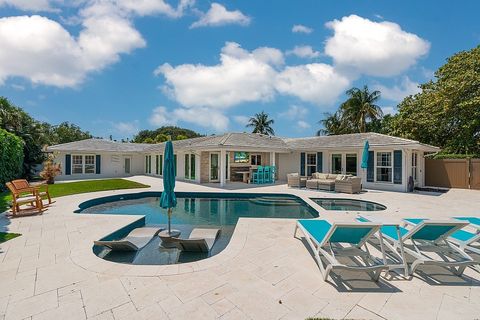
(348, 204)
(199, 209)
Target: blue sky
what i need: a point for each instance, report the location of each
(118, 66)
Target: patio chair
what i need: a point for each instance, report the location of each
(427, 243)
(267, 174)
(341, 240)
(258, 176)
(295, 180)
(134, 241)
(23, 185)
(200, 240)
(24, 197)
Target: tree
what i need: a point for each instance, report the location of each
(11, 157)
(173, 132)
(355, 114)
(161, 137)
(261, 124)
(446, 113)
(68, 132)
(360, 108)
(33, 133)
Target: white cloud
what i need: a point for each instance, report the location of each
(303, 124)
(298, 28)
(373, 48)
(304, 52)
(218, 15)
(398, 92)
(317, 83)
(29, 5)
(241, 76)
(241, 120)
(294, 112)
(150, 7)
(44, 52)
(126, 128)
(388, 110)
(200, 116)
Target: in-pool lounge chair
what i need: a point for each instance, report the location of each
(427, 243)
(135, 240)
(341, 239)
(200, 240)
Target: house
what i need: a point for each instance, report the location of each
(231, 156)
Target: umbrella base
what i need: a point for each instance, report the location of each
(165, 236)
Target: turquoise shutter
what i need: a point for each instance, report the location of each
(175, 163)
(397, 166)
(98, 163)
(319, 162)
(302, 164)
(68, 164)
(370, 166)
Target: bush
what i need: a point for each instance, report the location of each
(50, 170)
(11, 157)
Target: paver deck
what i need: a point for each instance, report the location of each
(50, 272)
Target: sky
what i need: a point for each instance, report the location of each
(115, 67)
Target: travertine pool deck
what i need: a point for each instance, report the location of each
(50, 272)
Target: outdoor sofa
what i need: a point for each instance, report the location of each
(295, 180)
(337, 182)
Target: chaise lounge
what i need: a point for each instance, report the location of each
(200, 240)
(134, 241)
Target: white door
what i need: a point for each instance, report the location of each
(126, 165)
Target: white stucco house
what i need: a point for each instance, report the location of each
(225, 158)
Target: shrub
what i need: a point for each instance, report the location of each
(50, 170)
(11, 157)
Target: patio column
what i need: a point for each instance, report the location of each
(222, 163)
(272, 163)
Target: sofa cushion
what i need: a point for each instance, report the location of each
(341, 177)
(331, 176)
(320, 176)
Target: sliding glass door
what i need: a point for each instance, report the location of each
(337, 163)
(350, 161)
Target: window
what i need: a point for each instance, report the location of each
(311, 163)
(77, 164)
(384, 167)
(414, 166)
(256, 160)
(83, 164)
(89, 164)
(336, 163)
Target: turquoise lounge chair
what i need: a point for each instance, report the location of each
(428, 238)
(341, 239)
(466, 240)
(267, 174)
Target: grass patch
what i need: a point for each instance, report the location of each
(66, 189)
(7, 236)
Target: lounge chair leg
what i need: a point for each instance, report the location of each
(458, 271)
(415, 265)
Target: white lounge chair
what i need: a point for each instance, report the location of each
(468, 240)
(135, 240)
(427, 243)
(200, 240)
(341, 239)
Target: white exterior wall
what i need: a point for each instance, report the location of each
(112, 165)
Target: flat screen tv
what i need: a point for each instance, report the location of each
(241, 157)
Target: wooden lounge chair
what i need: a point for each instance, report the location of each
(23, 185)
(23, 197)
(134, 241)
(200, 240)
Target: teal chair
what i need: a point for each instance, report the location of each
(258, 176)
(267, 174)
(273, 173)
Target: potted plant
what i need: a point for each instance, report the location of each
(50, 171)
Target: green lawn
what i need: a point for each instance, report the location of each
(66, 189)
(7, 236)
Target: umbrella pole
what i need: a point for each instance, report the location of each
(169, 217)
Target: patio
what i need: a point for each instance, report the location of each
(265, 273)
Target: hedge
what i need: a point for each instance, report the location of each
(11, 157)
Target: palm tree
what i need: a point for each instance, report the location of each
(261, 124)
(360, 108)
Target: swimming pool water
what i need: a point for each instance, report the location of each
(348, 204)
(211, 210)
